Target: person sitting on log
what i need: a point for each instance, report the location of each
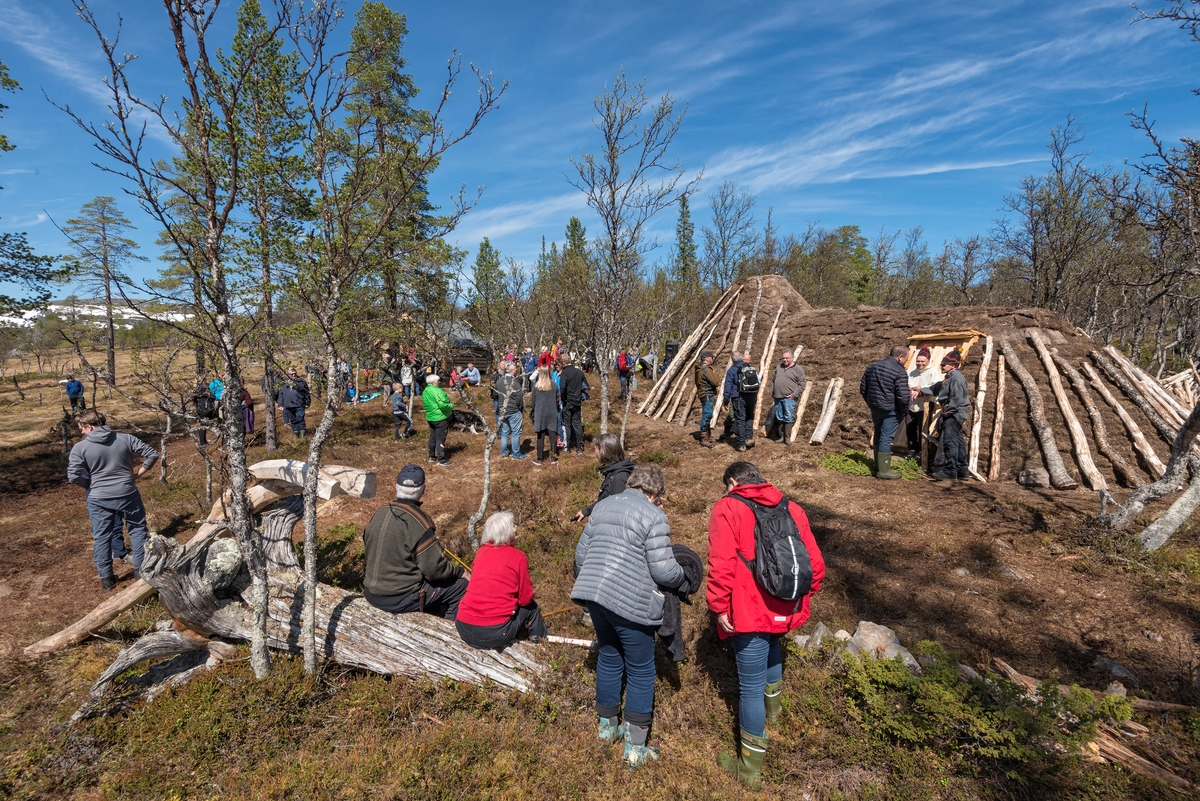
(498, 607)
(407, 569)
(955, 397)
(923, 375)
(884, 386)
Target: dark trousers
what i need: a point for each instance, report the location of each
(573, 425)
(441, 598)
(77, 403)
(108, 539)
(954, 448)
(527, 619)
(626, 649)
(741, 426)
(437, 439)
(294, 417)
(913, 429)
(887, 423)
(398, 420)
(624, 377)
(541, 437)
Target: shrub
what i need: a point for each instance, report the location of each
(857, 463)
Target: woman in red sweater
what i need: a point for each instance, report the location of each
(499, 605)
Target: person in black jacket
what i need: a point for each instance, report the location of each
(884, 386)
(570, 385)
(613, 466)
(294, 398)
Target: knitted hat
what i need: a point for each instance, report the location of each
(411, 475)
(953, 358)
(924, 351)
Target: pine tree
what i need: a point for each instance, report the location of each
(687, 266)
(97, 236)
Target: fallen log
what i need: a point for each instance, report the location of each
(800, 409)
(993, 473)
(1155, 535)
(1182, 460)
(1059, 477)
(980, 394)
(1120, 466)
(1083, 453)
(832, 395)
(1153, 464)
(1110, 748)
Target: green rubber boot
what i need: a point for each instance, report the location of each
(883, 467)
(774, 701)
(747, 766)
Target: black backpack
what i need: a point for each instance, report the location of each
(747, 379)
(781, 566)
(206, 406)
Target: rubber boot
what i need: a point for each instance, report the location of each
(636, 751)
(746, 767)
(786, 439)
(774, 701)
(883, 467)
(611, 731)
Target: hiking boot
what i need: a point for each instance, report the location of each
(941, 475)
(536, 463)
(746, 767)
(611, 731)
(883, 467)
(773, 697)
(108, 582)
(706, 439)
(443, 463)
(740, 449)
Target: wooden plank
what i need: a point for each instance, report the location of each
(1083, 452)
(998, 422)
(980, 394)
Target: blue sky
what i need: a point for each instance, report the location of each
(874, 114)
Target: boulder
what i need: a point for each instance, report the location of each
(820, 633)
(880, 642)
(1038, 477)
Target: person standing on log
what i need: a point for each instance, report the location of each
(884, 386)
(623, 561)
(706, 389)
(102, 463)
(786, 388)
(746, 613)
(954, 396)
(438, 409)
(294, 398)
(406, 566)
(570, 382)
(498, 606)
(922, 375)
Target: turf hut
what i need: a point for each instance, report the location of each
(1048, 403)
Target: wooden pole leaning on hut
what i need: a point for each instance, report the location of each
(682, 378)
(654, 397)
(832, 395)
(1153, 464)
(721, 389)
(753, 318)
(1175, 411)
(980, 394)
(1164, 429)
(1059, 477)
(1120, 466)
(717, 350)
(993, 473)
(808, 385)
(764, 366)
(1083, 453)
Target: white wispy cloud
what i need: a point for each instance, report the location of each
(511, 218)
(23, 220)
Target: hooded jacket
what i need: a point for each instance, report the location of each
(732, 588)
(102, 463)
(615, 475)
(624, 555)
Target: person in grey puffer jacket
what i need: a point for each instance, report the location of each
(623, 561)
(954, 396)
(102, 463)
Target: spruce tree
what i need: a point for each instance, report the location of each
(687, 266)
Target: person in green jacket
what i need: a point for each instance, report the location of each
(437, 413)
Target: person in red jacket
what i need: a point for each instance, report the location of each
(499, 605)
(746, 613)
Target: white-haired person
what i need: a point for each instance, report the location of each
(498, 606)
(438, 409)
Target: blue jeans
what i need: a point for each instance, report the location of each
(759, 663)
(785, 410)
(510, 428)
(626, 649)
(742, 426)
(624, 381)
(886, 425)
(108, 542)
(706, 412)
